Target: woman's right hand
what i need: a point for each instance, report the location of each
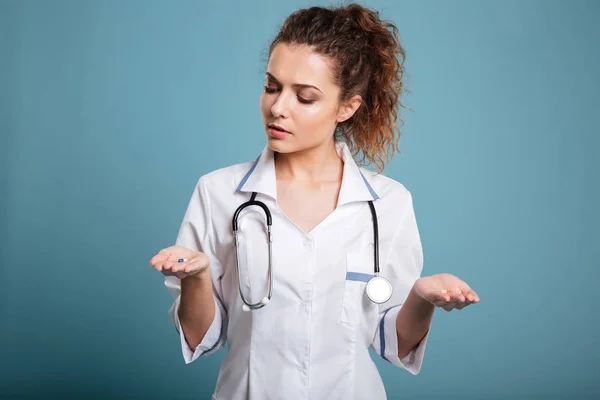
(168, 262)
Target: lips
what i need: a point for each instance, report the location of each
(278, 128)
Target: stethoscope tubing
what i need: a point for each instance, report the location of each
(265, 300)
(253, 202)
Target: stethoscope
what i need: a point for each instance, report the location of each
(378, 289)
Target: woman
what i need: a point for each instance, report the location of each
(333, 83)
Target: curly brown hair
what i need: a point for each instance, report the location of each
(368, 60)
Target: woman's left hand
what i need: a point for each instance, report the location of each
(446, 291)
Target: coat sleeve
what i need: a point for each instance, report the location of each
(403, 265)
(196, 233)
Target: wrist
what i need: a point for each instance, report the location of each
(416, 297)
(198, 277)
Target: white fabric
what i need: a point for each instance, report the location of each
(311, 341)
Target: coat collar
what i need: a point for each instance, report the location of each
(356, 186)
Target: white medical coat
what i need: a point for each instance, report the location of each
(311, 341)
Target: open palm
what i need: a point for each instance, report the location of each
(446, 291)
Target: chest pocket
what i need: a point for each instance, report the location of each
(356, 305)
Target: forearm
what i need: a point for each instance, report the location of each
(413, 322)
(196, 307)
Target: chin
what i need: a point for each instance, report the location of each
(279, 145)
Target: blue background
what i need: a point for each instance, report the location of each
(111, 110)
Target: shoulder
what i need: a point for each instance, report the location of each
(224, 180)
(387, 188)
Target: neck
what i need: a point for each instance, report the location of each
(317, 164)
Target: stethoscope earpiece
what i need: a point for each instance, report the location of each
(263, 302)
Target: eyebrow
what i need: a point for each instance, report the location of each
(295, 85)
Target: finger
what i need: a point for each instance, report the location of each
(464, 300)
(463, 305)
(166, 252)
(469, 296)
(179, 275)
(464, 287)
(197, 266)
(449, 306)
(442, 295)
(444, 304)
(440, 303)
(169, 272)
(454, 290)
(472, 296)
(162, 257)
(453, 294)
(457, 297)
(170, 262)
(160, 266)
(437, 299)
(158, 258)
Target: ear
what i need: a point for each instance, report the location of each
(348, 108)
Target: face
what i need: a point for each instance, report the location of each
(301, 98)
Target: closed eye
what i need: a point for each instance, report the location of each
(270, 90)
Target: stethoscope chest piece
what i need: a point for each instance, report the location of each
(379, 289)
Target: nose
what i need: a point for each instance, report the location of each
(280, 108)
